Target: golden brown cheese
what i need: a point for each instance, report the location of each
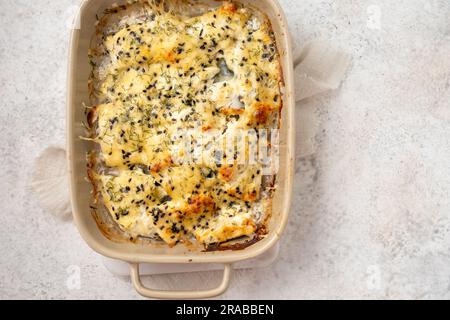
(168, 73)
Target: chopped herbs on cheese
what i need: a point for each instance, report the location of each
(160, 74)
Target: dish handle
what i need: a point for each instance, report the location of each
(182, 294)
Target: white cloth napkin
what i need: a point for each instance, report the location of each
(50, 182)
(318, 68)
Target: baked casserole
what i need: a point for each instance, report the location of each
(164, 75)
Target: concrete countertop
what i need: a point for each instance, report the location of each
(371, 210)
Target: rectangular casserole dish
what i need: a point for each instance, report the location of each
(135, 253)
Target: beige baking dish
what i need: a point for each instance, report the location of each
(77, 94)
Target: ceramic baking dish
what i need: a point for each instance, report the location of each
(135, 253)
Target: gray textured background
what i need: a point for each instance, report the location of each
(370, 217)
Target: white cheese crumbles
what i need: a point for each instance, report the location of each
(166, 73)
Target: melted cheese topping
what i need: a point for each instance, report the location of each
(168, 73)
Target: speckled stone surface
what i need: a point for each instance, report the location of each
(371, 210)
